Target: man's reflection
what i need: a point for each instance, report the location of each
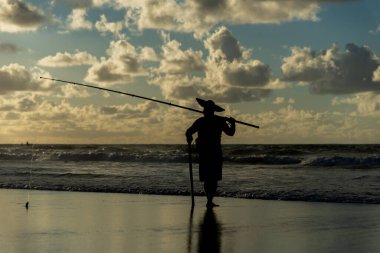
(209, 234)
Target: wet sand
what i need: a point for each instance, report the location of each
(108, 222)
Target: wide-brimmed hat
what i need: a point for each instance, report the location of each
(209, 104)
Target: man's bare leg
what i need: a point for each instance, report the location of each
(210, 189)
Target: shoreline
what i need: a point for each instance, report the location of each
(60, 221)
(197, 194)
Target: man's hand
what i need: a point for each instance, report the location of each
(230, 126)
(231, 120)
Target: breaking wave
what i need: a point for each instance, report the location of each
(328, 173)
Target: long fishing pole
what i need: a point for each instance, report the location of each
(138, 96)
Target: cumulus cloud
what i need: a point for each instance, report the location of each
(38, 119)
(223, 46)
(15, 77)
(231, 64)
(332, 71)
(67, 59)
(23, 103)
(122, 65)
(182, 87)
(200, 16)
(307, 65)
(255, 11)
(282, 100)
(367, 103)
(235, 95)
(77, 20)
(312, 126)
(250, 74)
(176, 61)
(148, 54)
(152, 14)
(179, 87)
(75, 4)
(279, 100)
(71, 91)
(19, 16)
(376, 75)
(227, 74)
(128, 111)
(104, 26)
(9, 48)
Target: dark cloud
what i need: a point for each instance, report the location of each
(332, 1)
(24, 14)
(15, 77)
(16, 15)
(182, 92)
(209, 5)
(104, 72)
(9, 48)
(122, 65)
(27, 104)
(5, 107)
(236, 95)
(75, 4)
(333, 72)
(12, 116)
(253, 74)
(108, 110)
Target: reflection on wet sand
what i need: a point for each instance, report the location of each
(210, 233)
(190, 231)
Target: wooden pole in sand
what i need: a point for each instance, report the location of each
(191, 176)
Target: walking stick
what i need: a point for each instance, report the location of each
(191, 176)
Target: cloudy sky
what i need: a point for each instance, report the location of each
(305, 71)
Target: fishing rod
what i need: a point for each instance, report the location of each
(138, 96)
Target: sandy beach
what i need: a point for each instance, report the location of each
(109, 222)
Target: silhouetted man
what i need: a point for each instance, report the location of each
(209, 129)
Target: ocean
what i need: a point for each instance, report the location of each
(323, 173)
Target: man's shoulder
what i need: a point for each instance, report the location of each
(201, 119)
